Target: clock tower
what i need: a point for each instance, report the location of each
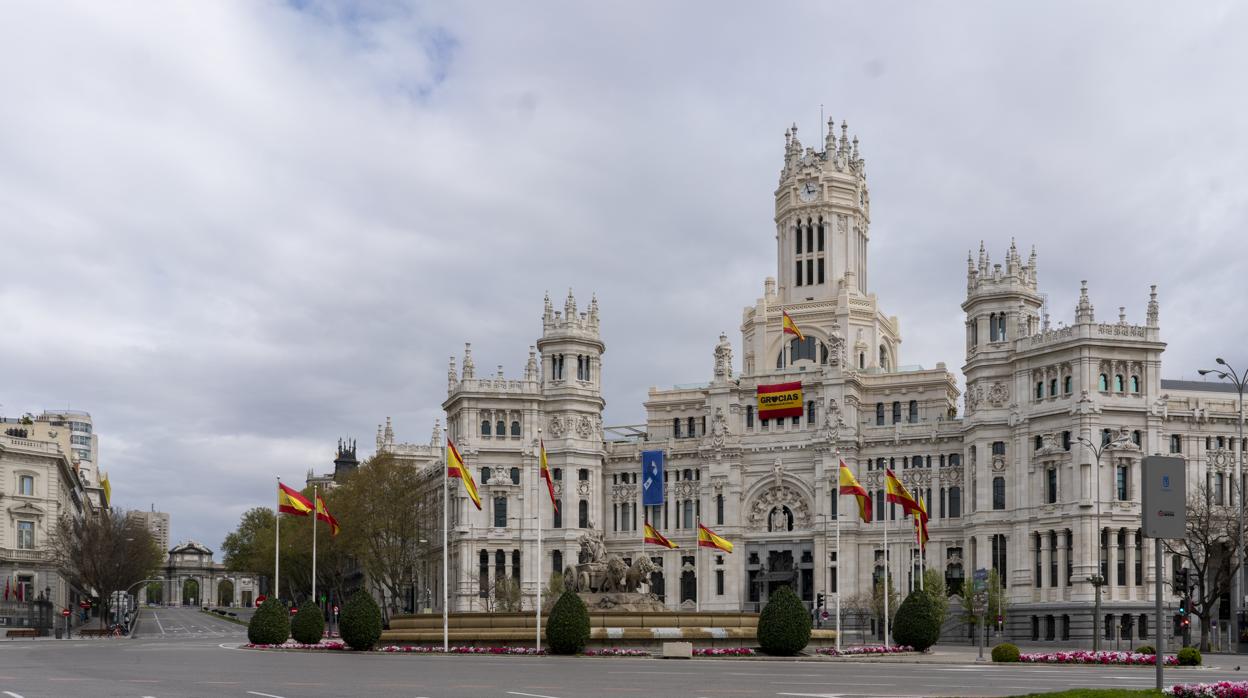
(822, 217)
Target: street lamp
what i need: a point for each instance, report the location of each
(1238, 380)
(1098, 580)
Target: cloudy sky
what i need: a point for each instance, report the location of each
(237, 231)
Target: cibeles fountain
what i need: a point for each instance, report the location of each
(607, 583)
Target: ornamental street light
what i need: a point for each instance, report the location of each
(1098, 579)
(1239, 380)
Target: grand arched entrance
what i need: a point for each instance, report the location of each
(225, 593)
(190, 592)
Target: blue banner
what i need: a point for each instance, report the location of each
(651, 478)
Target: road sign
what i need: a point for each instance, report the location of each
(84, 605)
(1164, 497)
(294, 610)
(65, 612)
(825, 615)
(335, 609)
(261, 599)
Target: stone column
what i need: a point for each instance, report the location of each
(1046, 563)
(1111, 568)
(1132, 592)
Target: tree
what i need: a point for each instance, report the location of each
(567, 628)
(360, 622)
(1206, 551)
(109, 552)
(507, 596)
(918, 621)
(934, 586)
(877, 603)
(250, 547)
(270, 624)
(308, 626)
(784, 624)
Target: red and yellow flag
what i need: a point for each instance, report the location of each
(290, 501)
(550, 485)
(323, 514)
(780, 400)
(653, 537)
(849, 485)
(790, 327)
(708, 539)
(920, 526)
(897, 493)
(455, 468)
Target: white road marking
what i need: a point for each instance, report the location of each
(531, 695)
(266, 695)
(157, 619)
(11, 694)
(813, 695)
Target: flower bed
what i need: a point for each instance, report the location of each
(292, 645)
(1106, 658)
(723, 652)
(865, 649)
(1221, 689)
(411, 649)
(616, 652)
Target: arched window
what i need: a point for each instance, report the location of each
(1039, 389)
(515, 565)
(485, 427)
(823, 348)
(879, 414)
(1053, 387)
(500, 564)
(1068, 385)
(485, 474)
(998, 493)
(749, 416)
(515, 429)
(556, 562)
(1106, 435)
(820, 241)
(1039, 442)
(914, 411)
(810, 411)
(1176, 443)
(883, 358)
(1066, 440)
(802, 349)
(1135, 437)
(582, 514)
(797, 237)
(992, 327)
(1001, 327)
(1135, 384)
(1103, 384)
(896, 412)
(483, 574)
(1118, 384)
(675, 427)
(862, 359)
(515, 476)
(500, 428)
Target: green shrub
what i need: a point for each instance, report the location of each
(1005, 652)
(567, 627)
(1146, 649)
(308, 626)
(270, 625)
(1189, 656)
(360, 621)
(917, 622)
(784, 625)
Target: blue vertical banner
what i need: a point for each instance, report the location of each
(651, 478)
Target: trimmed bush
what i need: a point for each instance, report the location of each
(360, 622)
(1146, 649)
(917, 622)
(567, 627)
(784, 625)
(1005, 652)
(1189, 656)
(270, 625)
(308, 626)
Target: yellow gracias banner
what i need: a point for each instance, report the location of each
(780, 400)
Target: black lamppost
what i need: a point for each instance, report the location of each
(1097, 579)
(1239, 380)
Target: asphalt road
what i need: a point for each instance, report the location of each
(183, 653)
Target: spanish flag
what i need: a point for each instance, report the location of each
(790, 327)
(708, 539)
(550, 485)
(323, 514)
(849, 485)
(653, 537)
(289, 501)
(897, 493)
(455, 468)
(920, 526)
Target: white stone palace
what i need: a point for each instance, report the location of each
(1009, 485)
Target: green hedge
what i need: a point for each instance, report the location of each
(308, 626)
(360, 621)
(567, 628)
(784, 625)
(917, 622)
(1005, 652)
(1189, 656)
(270, 625)
(1146, 649)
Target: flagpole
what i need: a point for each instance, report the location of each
(316, 505)
(277, 546)
(838, 572)
(886, 520)
(537, 499)
(446, 642)
(697, 564)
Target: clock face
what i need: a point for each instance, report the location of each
(808, 191)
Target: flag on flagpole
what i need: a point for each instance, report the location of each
(849, 485)
(550, 484)
(708, 539)
(897, 493)
(322, 513)
(108, 490)
(920, 526)
(790, 327)
(653, 537)
(455, 468)
(290, 501)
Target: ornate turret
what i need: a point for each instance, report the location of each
(452, 376)
(1083, 311)
(1153, 307)
(530, 368)
(470, 369)
(435, 439)
(345, 461)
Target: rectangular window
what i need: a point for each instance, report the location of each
(820, 238)
(25, 535)
(798, 263)
(1052, 558)
(719, 510)
(692, 432)
(1039, 578)
(810, 238)
(1123, 483)
(798, 237)
(749, 417)
(676, 427)
(820, 268)
(500, 512)
(719, 582)
(955, 502)
(1050, 488)
(810, 272)
(26, 485)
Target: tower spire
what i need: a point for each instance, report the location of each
(1153, 307)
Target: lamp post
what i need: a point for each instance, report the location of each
(1098, 580)
(1239, 380)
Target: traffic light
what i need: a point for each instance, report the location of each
(819, 600)
(1181, 582)
(1183, 607)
